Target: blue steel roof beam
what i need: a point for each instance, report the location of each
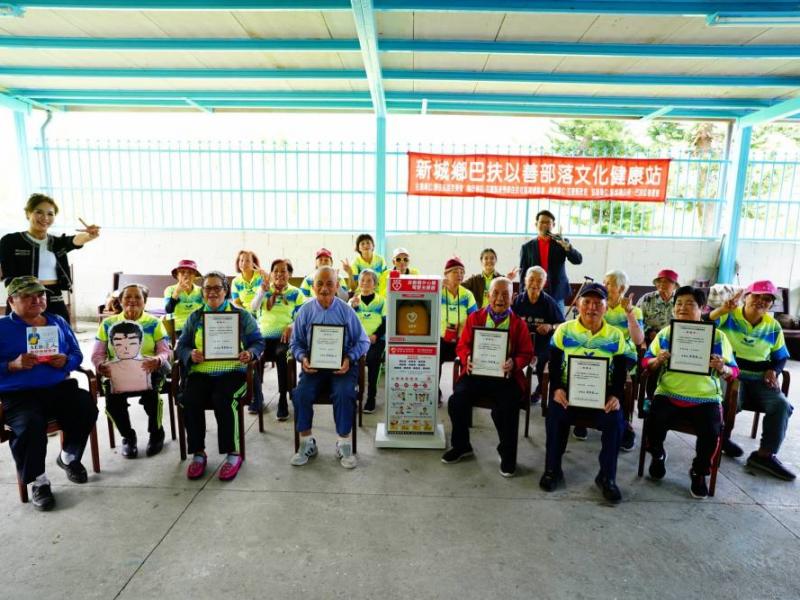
(414, 97)
(630, 7)
(568, 110)
(177, 44)
(364, 16)
(194, 5)
(200, 107)
(758, 81)
(11, 102)
(700, 51)
(181, 103)
(678, 51)
(778, 111)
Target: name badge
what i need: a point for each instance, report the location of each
(22, 252)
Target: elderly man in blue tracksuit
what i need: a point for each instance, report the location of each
(327, 309)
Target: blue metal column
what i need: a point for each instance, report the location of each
(380, 185)
(20, 124)
(734, 199)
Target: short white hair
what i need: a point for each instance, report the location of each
(535, 269)
(325, 269)
(501, 280)
(619, 277)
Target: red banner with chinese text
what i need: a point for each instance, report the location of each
(556, 177)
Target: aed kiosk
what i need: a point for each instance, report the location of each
(412, 364)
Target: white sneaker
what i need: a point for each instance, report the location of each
(344, 451)
(308, 449)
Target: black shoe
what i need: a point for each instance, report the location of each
(42, 498)
(369, 407)
(283, 410)
(129, 447)
(658, 466)
(610, 490)
(580, 433)
(76, 472)
(507, 469)
(156, 443)
(770, 465)
(455, 454)
(550, 480)
(536, 398)
(628, 440)
(732, 449)
(252, 409)
(698, 489)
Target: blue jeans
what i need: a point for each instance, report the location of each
(342, 389)
(774, 405)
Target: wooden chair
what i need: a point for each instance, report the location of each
(489, 403)
(786, 381)
(684, 426)
(325, 398)
(178, 384)
(52, 426)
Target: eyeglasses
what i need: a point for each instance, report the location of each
(400, 259)
(212, 288)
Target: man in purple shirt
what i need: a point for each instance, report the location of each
(326, 309)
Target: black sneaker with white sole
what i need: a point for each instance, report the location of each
(698, 489)
(771, 465)
(456, 454)
(580, 433)
(628, 439)
(658, 466)
(42, 497)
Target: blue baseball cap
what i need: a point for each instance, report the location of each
(596, 289)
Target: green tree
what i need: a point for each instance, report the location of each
(603, 137)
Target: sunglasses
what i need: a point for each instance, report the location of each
(400, 259)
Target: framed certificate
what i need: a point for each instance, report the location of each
(327, 347)
(489, 351)
(587, 383)
(221, 335)
(691, 343)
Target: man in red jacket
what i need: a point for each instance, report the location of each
(506, 388)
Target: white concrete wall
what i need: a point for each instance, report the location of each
(157, 252)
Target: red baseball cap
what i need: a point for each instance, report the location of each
(764, 286)
(453, 263)
(324, 252)
(667, 274)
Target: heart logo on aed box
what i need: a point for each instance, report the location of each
(412, 317)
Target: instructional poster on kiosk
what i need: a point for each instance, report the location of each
(412, 390)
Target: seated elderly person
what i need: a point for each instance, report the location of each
(140, 338)
(541, 314)
(184, 297)
(657, 306)
(327, 309)
(626, 317)
(506, 391)
(679, 394)
(36, 388)
(324, 258)
(276, 305)
(760, 351)
(456, 304)
(588, 335)
(401, 262)
(370, 306)
(222, 382)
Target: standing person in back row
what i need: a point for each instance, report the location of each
(549, 251)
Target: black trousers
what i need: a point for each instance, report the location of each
(275, 349)
(117, 408)
(223, 392)
(706, 420)
(505, 413)
(27, 413)
(374, 355)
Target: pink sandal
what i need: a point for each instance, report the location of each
(197, 468)
(229, 470)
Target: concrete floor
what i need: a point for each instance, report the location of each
(401, 525)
